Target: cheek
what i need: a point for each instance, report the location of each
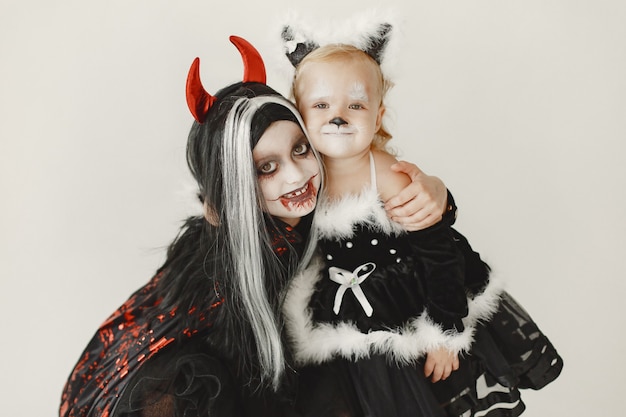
(311, 166)
(365, 121)
(269, 189)
(312, 118)
(316, 139)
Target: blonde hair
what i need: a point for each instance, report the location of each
(338, 52)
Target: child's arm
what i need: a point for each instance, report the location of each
(443, 275)
(435, 245)
(391, 183)
(422, 203)
(446, 302)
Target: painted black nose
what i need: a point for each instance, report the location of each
(338, 121)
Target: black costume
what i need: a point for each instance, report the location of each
(363, 318)
(148, 361)
(185, 345)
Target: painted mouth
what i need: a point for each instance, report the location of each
(300, 198)
(334, 130)
(298, 192)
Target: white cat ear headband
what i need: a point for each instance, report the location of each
(368, 32)
(296, 51)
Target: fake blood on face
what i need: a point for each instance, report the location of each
(301, 198)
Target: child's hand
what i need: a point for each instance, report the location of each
(440, 363)
(421, 204)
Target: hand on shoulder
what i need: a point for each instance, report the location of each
(388, 181)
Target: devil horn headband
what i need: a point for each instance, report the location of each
(200, 101)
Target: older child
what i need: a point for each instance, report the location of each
(386, 306)
(204, 336)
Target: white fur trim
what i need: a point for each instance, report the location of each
(335, 219)
(482, 306)
(314, 343)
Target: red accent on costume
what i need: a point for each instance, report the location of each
(138, 332)
(123, 342)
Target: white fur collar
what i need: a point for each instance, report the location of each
(335, 219)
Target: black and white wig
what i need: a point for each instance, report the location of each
(227, 256)
(246, 270)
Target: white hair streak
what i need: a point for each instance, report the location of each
(244, 220)
(246, 232)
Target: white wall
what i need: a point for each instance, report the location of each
(520, 106)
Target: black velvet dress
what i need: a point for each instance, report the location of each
(362, 318)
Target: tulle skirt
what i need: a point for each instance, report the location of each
(191, 381)
(509, 353)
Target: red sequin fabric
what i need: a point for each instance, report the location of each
(134, 333)
(123, 342)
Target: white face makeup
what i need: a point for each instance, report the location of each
(289, 174)
(340, 105)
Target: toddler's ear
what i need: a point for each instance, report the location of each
(379, 117)
(296, 45)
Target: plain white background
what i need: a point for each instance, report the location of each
(520, 106)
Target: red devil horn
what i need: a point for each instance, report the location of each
(198, 100)
(253, 67)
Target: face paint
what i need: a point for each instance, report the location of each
(331, 93)
(288, 172)
(358, 93)
(300, 198)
